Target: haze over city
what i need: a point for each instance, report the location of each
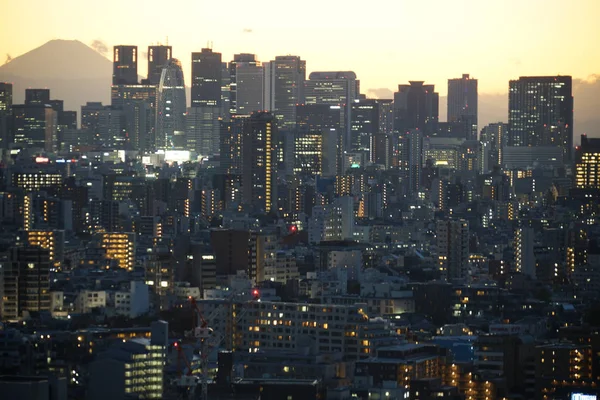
(274, 200)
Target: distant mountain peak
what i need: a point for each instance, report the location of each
(59, 59)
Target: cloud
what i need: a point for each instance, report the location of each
(99, 46)
(381, 93)
(247, 30)
(8, 58)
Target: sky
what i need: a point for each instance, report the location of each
(386, 42)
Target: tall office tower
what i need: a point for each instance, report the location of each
(587, 164)
(65, 120)
(285, 78)
(416, 106)
(90, 117)
(125, 65)
(462, 105)
(308, 147)
(171, 108)
(230, 145)
(453, 249)
(496, 137)
(414, 153)
(158, 56)
(26, 282)
(524, 252)
(37, 96)
(138, 105)
(336, 88)
(203, 119)
(34, 126)
(203, 128)
(540, 112)
(5, 114)
(364, 125)
(386, 115)
(259, 154)
(206, 78)
(111, 128)
(246, 84)
(324, 120)
(225, 92)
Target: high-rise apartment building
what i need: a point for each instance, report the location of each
(285, 78)
(462, 105)
(158, 56)
(323, 120)
(119, 247)
(206, 78)
(259, 155)
(125, 60)
(246, 84)
(453, 249)
(416, 106)
(524, 254)
(540, 113)
(334, 88)
(171, 108)
(495, 136)
(587, 164)
(90, 117)
(26, 282)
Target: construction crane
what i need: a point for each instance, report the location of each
(187, 380)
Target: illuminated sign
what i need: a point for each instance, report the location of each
(581, 396)
(42, 160)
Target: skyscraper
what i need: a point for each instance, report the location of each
(462, 104)
(540, 112)
(286, 78)
(138, 105)
(204, 116)
(5, 114)
(206, 78)
(259, 155)
(453, 249)
(158, 56)
(37, 96)
(171, 108)
(364, 125)
(323, 120)
(246, 84)
(125, 65)
(34, 126)
(334, 88)
(90, 117)
(495, 136)
(416, 106)
(587, 164)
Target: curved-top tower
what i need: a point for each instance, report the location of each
(171, 108)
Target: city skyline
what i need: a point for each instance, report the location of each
(494, 55)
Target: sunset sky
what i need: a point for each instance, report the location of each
(385, 42)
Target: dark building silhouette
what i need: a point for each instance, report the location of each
(287, 77)
(259, 161)
(540, 112)
(416, 106)
(364, 125)
(206, 78)
(462, 105)
(157, 58)
(6, 99)
(37, 96)
(125, 65)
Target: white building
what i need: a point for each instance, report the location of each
(87, 300)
